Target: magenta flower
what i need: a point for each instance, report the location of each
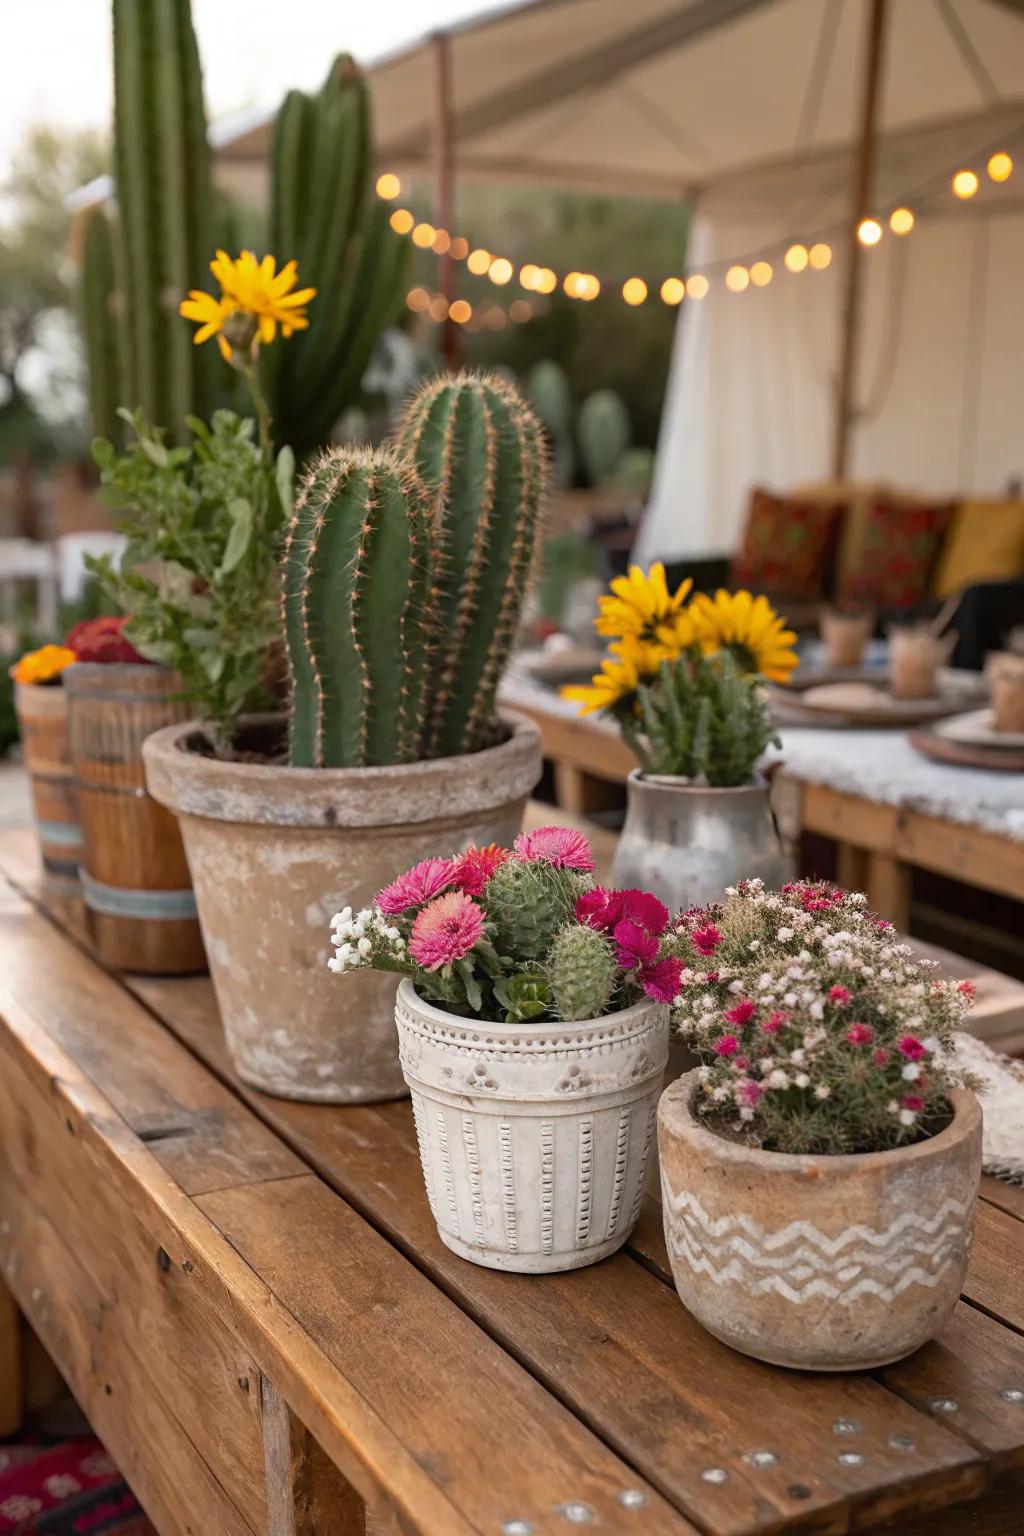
(561, 846)
(968, 989)
(446, 930)
(742, 1013)
(475, 867)
(748, 1092)
(912, 1101)
(706, 940)
(880, 1057)
(419, 884)
(635, 949)
(911, 1047)
(774, 1022)
(860, 1034)
(645, 910)
(726, 1045)
(599, 908)
(839, 995)
(661, 980)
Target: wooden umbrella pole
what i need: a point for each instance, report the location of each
(444, 189)
(861, 206)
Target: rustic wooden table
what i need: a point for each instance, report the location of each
(250, 1301)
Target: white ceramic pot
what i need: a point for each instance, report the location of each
(534, 1138)
(815, 1262)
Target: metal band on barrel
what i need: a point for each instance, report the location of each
(116, 901)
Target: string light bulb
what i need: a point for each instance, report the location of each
(500, 270)
(423, 235)
(528, 276)
(901, 221)
(417, 299)
(965, 184)
(547, 282)
(819, 256)
(401, 221)
(761, 274)
(460, 312)
(737, 279)
(673, 290)
(696, 286)
(796, 258)
(437, 309)
(869, 231)
(634, 290)
(478, 261)
(1000, 166)
(442, 241)
(459, 248)
(388, 186)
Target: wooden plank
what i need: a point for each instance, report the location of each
(578, 744)
(11, 1385)
(460, 1477)
(964, 853)
(995, 1279)
(306, 1495)
(847, 818)
(888, 888)
(1008, 1197)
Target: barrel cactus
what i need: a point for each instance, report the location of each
(356, 584)
(582, 973)
(528, 902)
(479, 448)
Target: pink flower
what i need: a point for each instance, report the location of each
(839, 996)
(561, 846)
(661, 980)
(706, 940)
(912, 1101)
(726, 1045)
(645, 910)
(742, 1013)
(601, 908)
(476, 866)
(882, 924)
(911, 1047)
(741, 1063)
(880, 1057)
(711, 977)
(748, 1092)
(968, 989)
(446, 930)
(860, 1034)
(774, 1022)
(417, 885)
(635, 949)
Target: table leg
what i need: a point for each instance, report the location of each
(851, 867)
(11, 1374)
(306, 1494)
(888, 888)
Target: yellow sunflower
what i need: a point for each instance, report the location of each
(254, 300)
(640, 607)
(42, 666)
(631, 663)
(747, 626)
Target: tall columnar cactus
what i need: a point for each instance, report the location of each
(548, 388)
(162, 166)
(480, 448)
(356, 585)
(100, 331)
(605, 431)
(323, 214)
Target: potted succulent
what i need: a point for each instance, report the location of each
(684, 683)
(41, 704)
(402, 576)
(820, 1167)
(533, 1030)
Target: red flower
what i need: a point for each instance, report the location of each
(601, 908)
(968, 989)
(103, 640)
(661, 980)
(475, 867)
(912, 1101)
(742, 1013)
(860, 1034)
(726, 1045)
(635, 949)
(774, 1022)
(911, 1047)
(645, 910)
(839, 996)
(880, 1057)
(706, 940)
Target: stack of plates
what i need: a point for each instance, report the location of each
(972, 741)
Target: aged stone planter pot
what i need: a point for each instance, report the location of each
(275, 851)
(820, 1263)
(534, 1138)
(687, 843)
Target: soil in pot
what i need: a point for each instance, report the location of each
(816, 1262)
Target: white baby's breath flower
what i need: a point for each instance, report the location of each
(802, 1080)
(799, 1056)
(911, 1072)
(893, 1106)
(365, 947)
(777, 1079)
(907, 1117)
(823, 1091)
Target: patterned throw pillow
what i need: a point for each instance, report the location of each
(788, 547)
(895, 562)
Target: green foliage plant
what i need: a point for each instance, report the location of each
(700, 718)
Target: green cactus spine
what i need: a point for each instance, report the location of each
(324, 215)
(356, 582)
(162, 166)
(477, 444)
(528, 903)
(100, 331)
(581, 972)
(604, 431)
(702, 719)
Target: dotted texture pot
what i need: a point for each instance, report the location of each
(276, 851)
(534, 1138)
(820, 1263)
(43, 725)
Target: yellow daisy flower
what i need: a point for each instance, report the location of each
(254, 300)
(42, 666)
(641, 607)
(631, 662)
(750, 628)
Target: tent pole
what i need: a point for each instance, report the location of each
(444, 188)
(861, 207)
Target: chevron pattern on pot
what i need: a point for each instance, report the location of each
(800, 1262)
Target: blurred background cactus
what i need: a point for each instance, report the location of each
(548, 389)
(477, 444)
(357, 567)
(100, 325)
(323, 213)
(601, 429)
(605, 432)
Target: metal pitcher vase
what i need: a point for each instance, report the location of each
(686, 843)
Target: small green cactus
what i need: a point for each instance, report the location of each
(356, 582)
(478, 446)
(548, 389)
(701, 718)
(582, 972)
(605, 432)
(528, 903)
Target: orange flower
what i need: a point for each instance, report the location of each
(42, 666)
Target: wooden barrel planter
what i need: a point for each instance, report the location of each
(43, 724)
(135, 879)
